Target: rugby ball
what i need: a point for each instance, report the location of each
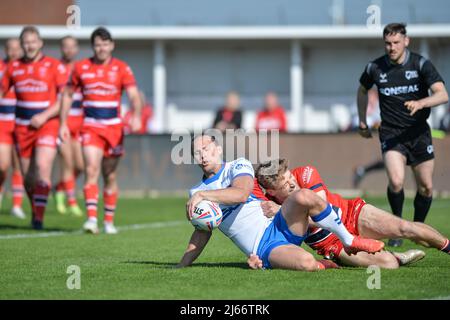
(207, 215)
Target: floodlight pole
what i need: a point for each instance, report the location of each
(159, 88)
(297, 122)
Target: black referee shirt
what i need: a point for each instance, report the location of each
(398, 83)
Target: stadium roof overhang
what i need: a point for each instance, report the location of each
(230, 33)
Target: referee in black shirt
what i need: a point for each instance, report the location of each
(403, 79)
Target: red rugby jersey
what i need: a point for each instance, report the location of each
(36, 85)
(77, 97)
(101, 86)
(275, 119)
(8, 102)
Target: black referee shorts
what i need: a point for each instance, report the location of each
(414, 143)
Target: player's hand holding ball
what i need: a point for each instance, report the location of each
(192, 203)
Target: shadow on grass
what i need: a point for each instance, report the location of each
(28, 228)
(171, 265)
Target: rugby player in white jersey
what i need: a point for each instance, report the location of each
(276, 240)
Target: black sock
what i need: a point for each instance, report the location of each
(422, 205)
(396, 201)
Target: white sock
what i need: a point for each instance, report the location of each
(328, 219)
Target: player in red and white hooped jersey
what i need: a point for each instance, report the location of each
(36, 79)
(8, 155)
(71, 156)
(101, 79)
(358, 217)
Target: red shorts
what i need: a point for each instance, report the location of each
(75, 123)
(7, 132)
(28, 138)
(109, 138)
(330, 247)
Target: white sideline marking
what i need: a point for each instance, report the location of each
(439, 298)
(153, 225)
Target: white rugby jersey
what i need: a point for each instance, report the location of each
(243, 223)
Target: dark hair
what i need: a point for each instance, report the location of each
(203, 134)
(101, 32)
(394, 28)
(29, 29)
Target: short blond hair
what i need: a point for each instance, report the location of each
(270, 172)
(29, 29)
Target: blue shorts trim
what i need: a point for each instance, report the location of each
(276, 234)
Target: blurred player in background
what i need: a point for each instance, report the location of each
(36, 79)
(8, 154)
(101, 80)
(230, 115)
(403, 79)
(359, 218)
(272, 117)
(71, 157)
(146, 117)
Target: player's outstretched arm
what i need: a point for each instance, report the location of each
(198, 241)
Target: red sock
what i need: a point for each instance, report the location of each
(40, 196)
(17, 188)
(69, 187)
(91, 199)
(60, 186)
(110, 201)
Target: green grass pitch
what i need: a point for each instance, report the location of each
(138, 262)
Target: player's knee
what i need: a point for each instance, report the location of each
(305, 197)
(306, 263)
(406, 229)
(387, 261)
(4, 168)
(110, 177)
(426, 189)
(3, 172)
(396, 184)
(92, 170)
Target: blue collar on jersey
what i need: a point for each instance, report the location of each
(214, 177)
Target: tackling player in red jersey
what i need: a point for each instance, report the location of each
(36, 79)
(70, 150)
(101, 80)
(359, 218)
(8, 154)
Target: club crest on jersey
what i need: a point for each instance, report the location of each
(383, 77)
(410, 74)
